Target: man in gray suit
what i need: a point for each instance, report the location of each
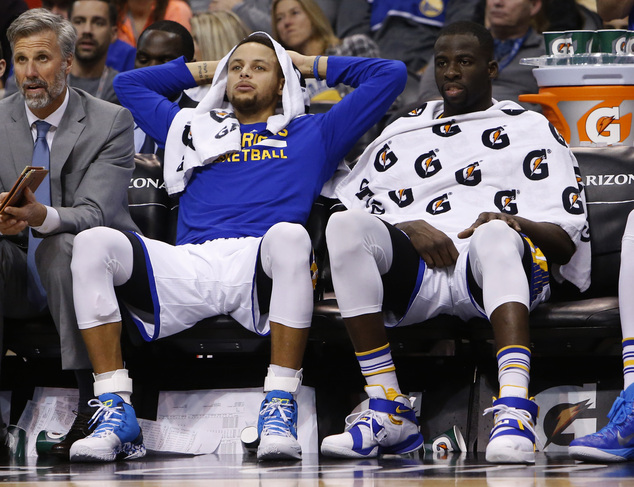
(89, 144)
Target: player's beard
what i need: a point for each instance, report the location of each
(253, 104)
(51, 92)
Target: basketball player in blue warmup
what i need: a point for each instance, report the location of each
(247, 177)
(463, 206)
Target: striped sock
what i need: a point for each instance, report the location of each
(378, 368)
(514, 365)
(628, 362)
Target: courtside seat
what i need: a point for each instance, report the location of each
(570, 323)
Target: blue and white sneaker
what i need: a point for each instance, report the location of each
(117, 435)
(277, 427)
(513, 436)
(388, 426)
(614, 442)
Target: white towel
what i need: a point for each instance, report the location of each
(447, 171)
(198, 136)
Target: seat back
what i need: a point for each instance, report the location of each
(608, 177)
(151, 208)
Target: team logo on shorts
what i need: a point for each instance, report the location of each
(572, 201)
(427, 164)
(470, 175)
(505, 201)
(187, 137)
(365, 193)
(446, 129)
(439, 205)
(495, 138)
(558, 137)
(535, 165)
(402, 197)
(226, 130)
(384, 159)
(220, 115)
(514, 111)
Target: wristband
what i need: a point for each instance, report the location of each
(316, 69)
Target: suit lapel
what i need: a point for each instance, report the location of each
(69, 130)
(19, 130)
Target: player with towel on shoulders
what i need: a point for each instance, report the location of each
(464, 206)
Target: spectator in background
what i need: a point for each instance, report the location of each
(161, 42)
(616, 9)
(96, 24)
(571, 15)
(215, 34)
(59, 7)
(134, 16)
(256, 14)
(403, 29)
(3, 66)
(510, 24)
(120, 54)
(9, 11)
(300, 25)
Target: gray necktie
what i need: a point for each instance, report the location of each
(41, 157)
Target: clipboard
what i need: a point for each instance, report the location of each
(31, 178)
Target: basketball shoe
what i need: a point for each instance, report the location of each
(513, 436)
(614, 442)
(117, 435)
(388, 426)
(277, 427)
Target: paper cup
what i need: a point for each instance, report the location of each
(557, 43)
(581, 41)
(612, 41)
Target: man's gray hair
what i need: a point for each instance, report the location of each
(38, 20)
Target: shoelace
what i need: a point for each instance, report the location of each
(278, 420)
(618, 412)
(111, 418)
(367, 417)
(520, 415)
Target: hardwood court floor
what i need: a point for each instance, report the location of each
(461, 470)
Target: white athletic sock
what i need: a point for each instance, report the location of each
(378, 368)
(514, 365)
(628, 362)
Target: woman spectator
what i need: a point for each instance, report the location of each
(215, 34)
(136, 15)
(300, 25)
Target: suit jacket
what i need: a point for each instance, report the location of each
(92, 159)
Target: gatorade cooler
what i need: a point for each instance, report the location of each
(590, 105)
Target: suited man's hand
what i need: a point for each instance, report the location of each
(15, 219)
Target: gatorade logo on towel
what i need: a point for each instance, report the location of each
(605, 124)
